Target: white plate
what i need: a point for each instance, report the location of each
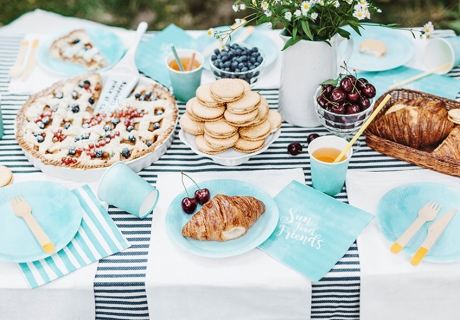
(95, 174)
(230, 157)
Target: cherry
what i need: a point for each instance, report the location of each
(327, 89)
(294, 148)
(352, 109)
(189, 205)
(202, 195)
(369, 91)
(338, 95)
(312, 137)
(364, 102)
(361, 83)
(322, 101)
(353, 96)
(338, 108)
(347, 83)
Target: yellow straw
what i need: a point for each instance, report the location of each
(420, 75)
(376, 111)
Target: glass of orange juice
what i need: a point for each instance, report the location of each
(328, 176)
(184, 83)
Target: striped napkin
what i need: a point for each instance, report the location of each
(97, 238)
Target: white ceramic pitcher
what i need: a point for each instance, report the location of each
(305, 65)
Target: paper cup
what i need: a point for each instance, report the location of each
(440, 51)
(328, 177)
(185, 83)
(123, 188)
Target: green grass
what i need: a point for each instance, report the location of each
(203, 14)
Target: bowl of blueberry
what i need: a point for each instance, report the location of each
(344, 107)
(238, 61)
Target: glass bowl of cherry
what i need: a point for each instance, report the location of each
(345, 107)
(238, 61)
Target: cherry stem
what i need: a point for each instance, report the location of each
(184, 174)
(182, 178)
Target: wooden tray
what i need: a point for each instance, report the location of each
(422, 158)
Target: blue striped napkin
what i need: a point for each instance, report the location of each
(97, 238)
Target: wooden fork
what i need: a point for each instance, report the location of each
(16, 70)
(427, 213)
(22, 209)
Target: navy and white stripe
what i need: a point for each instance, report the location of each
(119, 285)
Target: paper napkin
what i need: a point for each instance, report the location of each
(435, 84)
(97, 238)
(314, 230)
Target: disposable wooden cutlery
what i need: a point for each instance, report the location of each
(427, 213)
(16, 70)
(434, 231)
(31, 62)
(22, 209)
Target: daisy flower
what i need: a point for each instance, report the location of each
(242, 6)
(314, 15)
(211, 32)
(297, 13)
(359, 12)
(428, 28)
(288, 16)
(336, 4)
(305, 6)
(264, 5)
(268, 13)
(235, 8)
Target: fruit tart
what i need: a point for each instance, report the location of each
(77, 47)
(59, 126)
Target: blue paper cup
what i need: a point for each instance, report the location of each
(328, 177)
(440, 51)
(125, 189)
(185, 83)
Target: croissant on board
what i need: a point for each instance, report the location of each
(417, 123)
(450, 147)
(224, 218)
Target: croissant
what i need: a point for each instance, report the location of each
(450, 147)
(416, 123)
(224, 218)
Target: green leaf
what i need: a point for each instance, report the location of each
(334, 82)
(343, 33)
(291, 42)
(306, 29)
(294, 32)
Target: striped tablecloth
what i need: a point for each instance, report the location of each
(119, 285)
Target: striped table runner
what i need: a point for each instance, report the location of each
(119, 285)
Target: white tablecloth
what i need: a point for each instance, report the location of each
(68, 298)
(249, 286)
(391, 288)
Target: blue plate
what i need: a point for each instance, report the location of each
(108, 43)
(398, 208)
(176, 218)
(399, 49)
(55, 208)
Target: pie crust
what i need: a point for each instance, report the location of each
(65, 131)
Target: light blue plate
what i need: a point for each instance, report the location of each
(108, 43)
(399, 49)
(55, 208)
(176, 218)
(398, 208)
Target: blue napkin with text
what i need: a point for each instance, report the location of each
(314, 230)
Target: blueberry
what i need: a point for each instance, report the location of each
(159, 112)
(75, 41)
(129, 128)
(77, 138)
(85, 136)
(87, 82)
(148, 143)
(240, 65)
(254, 49)
(67, 125)
(99, 153)
(107, 134)
(227, 64)
(260, 59)
(81, 84)
(125, 152)
(85, 126)
(216, 51)
(244, 69)
(41, 125)
(91, 100)
(252, 60)
(46, 120)
(75, 108)
(213, 57)
(156, 126)
(238, 52)
(59, 95)
(137, 95)
(115, 121)
(72, 151)
(40, 139)
(107, 127)
(224, 58)
(132, 138)
(148, 94)
(74, 95)
(142, 98)
(54, 107)
(87, 48)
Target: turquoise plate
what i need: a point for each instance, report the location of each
(399, 49)
(55, 208)
(108, 43)
(176, 218)
(398, 208)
